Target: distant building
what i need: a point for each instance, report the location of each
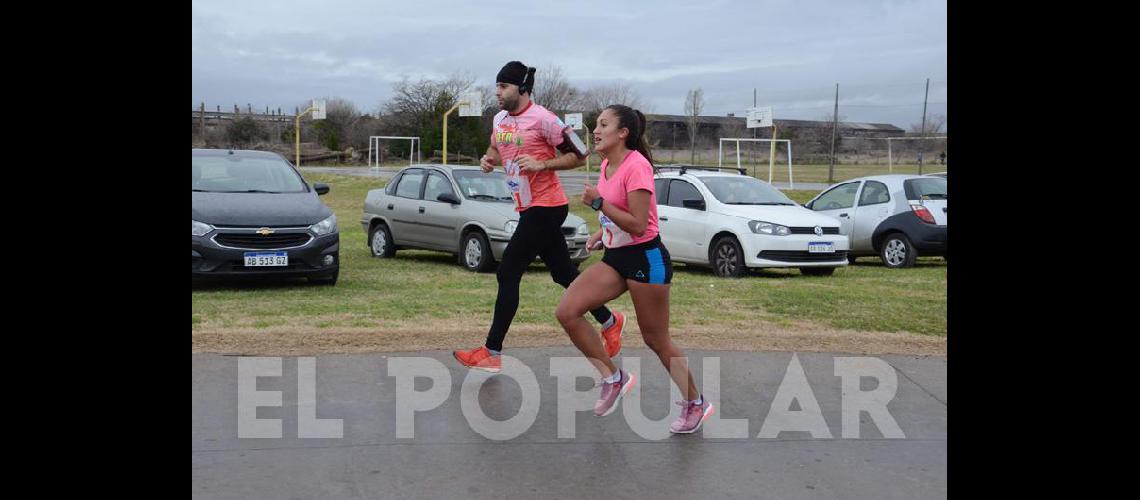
(672, 131)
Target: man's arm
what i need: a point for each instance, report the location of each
(563, 162)
(490, 159)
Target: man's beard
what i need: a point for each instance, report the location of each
(510, 104)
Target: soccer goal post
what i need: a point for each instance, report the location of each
(374, 148)
(771, 158)
(890, 150)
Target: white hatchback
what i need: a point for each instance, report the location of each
(732, 222)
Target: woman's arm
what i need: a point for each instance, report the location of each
(635, 221)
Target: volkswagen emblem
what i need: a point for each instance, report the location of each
(818, 231)
(266, 231)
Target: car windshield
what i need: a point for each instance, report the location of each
(931, 188)
(235, 174)
(477, 185)
(745, 191)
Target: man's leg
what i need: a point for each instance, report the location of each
(556, 255)
(520, 252)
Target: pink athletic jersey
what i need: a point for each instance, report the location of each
(536, 132)
(634, 173)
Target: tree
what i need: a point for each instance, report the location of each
(934, 124)
(823, 138)
(417, 108)
(359, 131)
(593, 100)
(552, 91)
(694, 104)
(244, 131)
(597, 98)
(332, 132)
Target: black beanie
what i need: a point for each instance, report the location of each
(517, 73)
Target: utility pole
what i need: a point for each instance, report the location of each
(834, 131)
(923, 130)
(752, 150)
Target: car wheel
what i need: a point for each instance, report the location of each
(727, 258)
(851, 258)
(817, 271)
(475, 253)
(380, 242)
(897, 252)
(329, 279)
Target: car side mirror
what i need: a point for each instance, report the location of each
(448, 197)
(695, 204)
(321, 188)
(808, 205)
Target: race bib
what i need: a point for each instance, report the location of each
(518, 184)
(612, 235)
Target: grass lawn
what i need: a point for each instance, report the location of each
(424, 300)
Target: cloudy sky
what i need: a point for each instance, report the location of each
(279, 53)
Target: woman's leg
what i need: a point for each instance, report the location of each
(556, 255)
(599, 284)
(651, 303)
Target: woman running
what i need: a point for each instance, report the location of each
(635, 260)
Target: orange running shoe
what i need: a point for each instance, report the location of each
(612, 335)
(480, 359)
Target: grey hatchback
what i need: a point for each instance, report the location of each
(454, 209)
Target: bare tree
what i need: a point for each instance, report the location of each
(358, 132)
(934, 124)
(417, 107)
(340, 114)
(734, 129)
(596, 99)
(822, 136)
(552, 91)
(694, 104)
(415, 104)
(333, 131)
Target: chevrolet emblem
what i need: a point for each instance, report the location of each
(265, 231)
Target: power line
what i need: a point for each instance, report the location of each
(862, 106)
(827, 90)
(887, 105)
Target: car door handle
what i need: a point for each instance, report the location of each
(389, 206)
(663, 218)
(843, 215)
(421, 210)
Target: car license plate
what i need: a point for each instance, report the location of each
(820, 247)
(257, 259)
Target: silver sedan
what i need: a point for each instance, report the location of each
(454, 209)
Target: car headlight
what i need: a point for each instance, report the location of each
(761, 227)
(584, 229)
(510, 226)
(200, 229)
(327, 226)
